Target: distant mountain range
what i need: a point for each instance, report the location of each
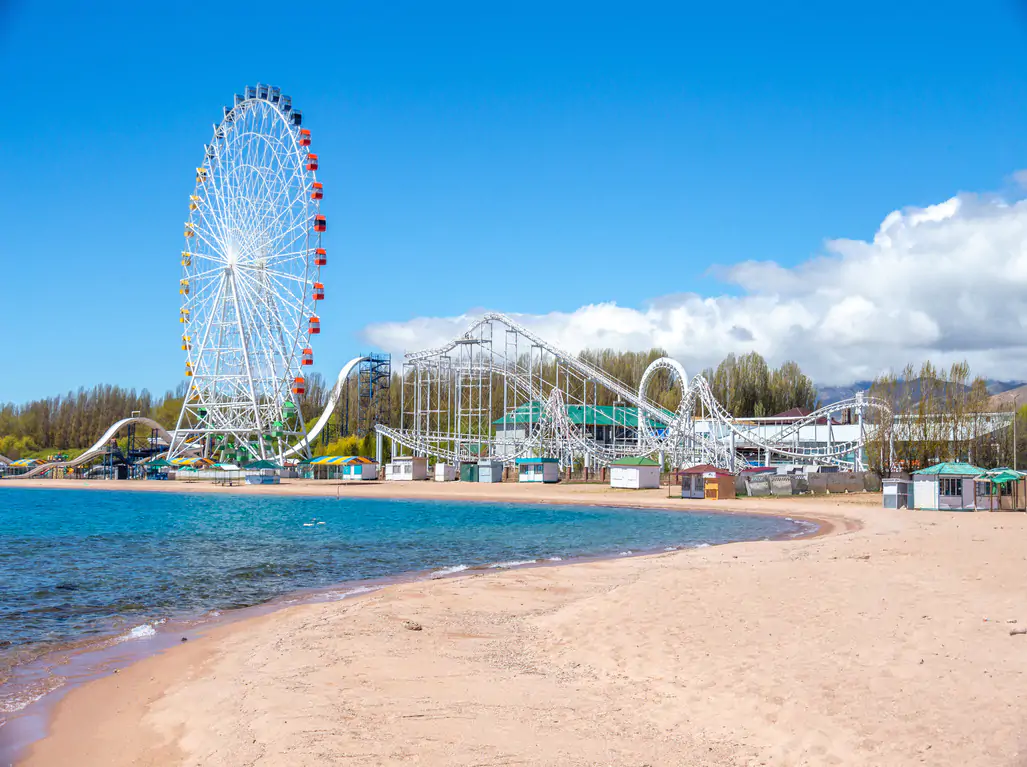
(1003, 392)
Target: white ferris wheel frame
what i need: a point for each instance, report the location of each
(248, 274)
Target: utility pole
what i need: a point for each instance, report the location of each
(1015, 398)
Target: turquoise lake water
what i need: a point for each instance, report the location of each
(78, 563)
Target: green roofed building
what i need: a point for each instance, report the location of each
(635, 473)
(608, 425)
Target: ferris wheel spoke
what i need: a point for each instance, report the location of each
(297, 229)
(208, 239)
(283, 293)
(206, 273)
(283, 297)
(285, 211)
(256, 325)
(286, 276)
(198, 295)
(284, 259)
(290, 290)
(201, 347)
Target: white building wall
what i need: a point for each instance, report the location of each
(635, 477)
(925, 493)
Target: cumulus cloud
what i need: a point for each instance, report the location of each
(947, 282)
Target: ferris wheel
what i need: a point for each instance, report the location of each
(250, 283)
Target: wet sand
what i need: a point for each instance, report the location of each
(884, 642)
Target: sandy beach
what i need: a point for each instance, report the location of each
(884, 641)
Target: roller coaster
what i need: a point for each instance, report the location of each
(501, 392)
(456, 398)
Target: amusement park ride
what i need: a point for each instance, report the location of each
(499, 391)
(250, 285)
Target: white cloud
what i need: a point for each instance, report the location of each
(947, 282)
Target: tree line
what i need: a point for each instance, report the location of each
(748, 387)
(940, 415)
(78, 419)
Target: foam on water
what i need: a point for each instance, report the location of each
(515, 563)
(25, 696)
(339, 595)
(448, 571)
(139, 632)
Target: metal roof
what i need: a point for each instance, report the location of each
(635, 461)
(262, 464)
(952, 468)
(702, 468)
(581, 415)
(191, 461)
(1001, 476)
(338, 460)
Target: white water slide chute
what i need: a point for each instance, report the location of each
(501, 392)
(338, 392)
(99, 448)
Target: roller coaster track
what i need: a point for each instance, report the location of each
(679, 439)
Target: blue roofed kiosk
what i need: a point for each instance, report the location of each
(538, 470)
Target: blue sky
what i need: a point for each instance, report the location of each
(532, 160)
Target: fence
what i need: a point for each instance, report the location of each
(762, 485)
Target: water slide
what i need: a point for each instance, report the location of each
(333, 401)
(98, 448)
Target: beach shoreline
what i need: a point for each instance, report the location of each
(659, 651)
(81, 661)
